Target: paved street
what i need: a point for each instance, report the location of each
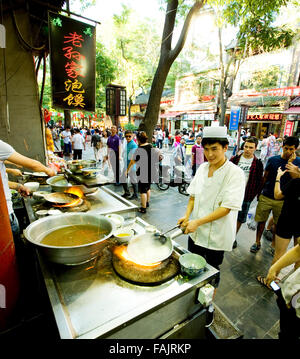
(250, 306)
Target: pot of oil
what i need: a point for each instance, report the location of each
(71, 238)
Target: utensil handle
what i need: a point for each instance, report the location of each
(169, 230)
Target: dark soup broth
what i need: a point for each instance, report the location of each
(75, 235)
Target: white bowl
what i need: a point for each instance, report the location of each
(116, 219)
(124, 235)
(32, 186)
(41, 213)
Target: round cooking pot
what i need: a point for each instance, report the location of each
(71, 255)
(58, 183)
(75, 166)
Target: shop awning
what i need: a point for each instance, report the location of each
(295, 102)
(170, 114)
(293, 111)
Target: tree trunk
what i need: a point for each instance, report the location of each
(67, 116)
(167, 57)
(153, 107)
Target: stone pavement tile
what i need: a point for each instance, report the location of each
(228, 282)
(248, 270)
(249, 327)
(273, 332)
(264, 313)
(253, 290)
(233, 304)
(267, 336)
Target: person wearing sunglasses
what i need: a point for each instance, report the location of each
(129, 148)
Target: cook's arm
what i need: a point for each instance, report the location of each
(27, 162)
(13, 171)
(189, 209)
(11, 163)
(24, 191)
(213, 216)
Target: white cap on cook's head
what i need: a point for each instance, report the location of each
(215, 132)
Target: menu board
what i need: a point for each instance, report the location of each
(72, 61)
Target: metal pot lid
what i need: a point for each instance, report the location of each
(147, 249)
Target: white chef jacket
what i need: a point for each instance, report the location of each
(5, 151)
(224, 189)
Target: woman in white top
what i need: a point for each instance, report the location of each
(78, 144)
(104, 139)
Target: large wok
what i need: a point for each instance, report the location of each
(58, 198)
(151, 248)
(71, 255)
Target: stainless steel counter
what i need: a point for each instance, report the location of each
(92, 301)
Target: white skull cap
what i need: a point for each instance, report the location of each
(215, 132)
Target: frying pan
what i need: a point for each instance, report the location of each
(59, 197)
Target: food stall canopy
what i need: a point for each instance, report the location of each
(293, 111)
(295, 102)
(72, 60)
(170, 114)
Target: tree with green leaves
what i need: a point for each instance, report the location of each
(255, 33)
(167, 56)
(135, 47)
(106, 70)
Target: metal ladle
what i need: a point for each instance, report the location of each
(162, 236)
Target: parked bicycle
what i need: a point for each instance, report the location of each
(175, 178)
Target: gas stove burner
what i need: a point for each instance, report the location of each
(154, 274)
(78, 203)
(83, 206)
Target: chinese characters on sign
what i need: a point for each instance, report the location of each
(289, 126)
(267, 117)
(243, 114)
(72, 54)
(285, 91)
(234, 118)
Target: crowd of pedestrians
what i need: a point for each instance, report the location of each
(221, 191)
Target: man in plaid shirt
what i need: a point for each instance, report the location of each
(253, 170)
